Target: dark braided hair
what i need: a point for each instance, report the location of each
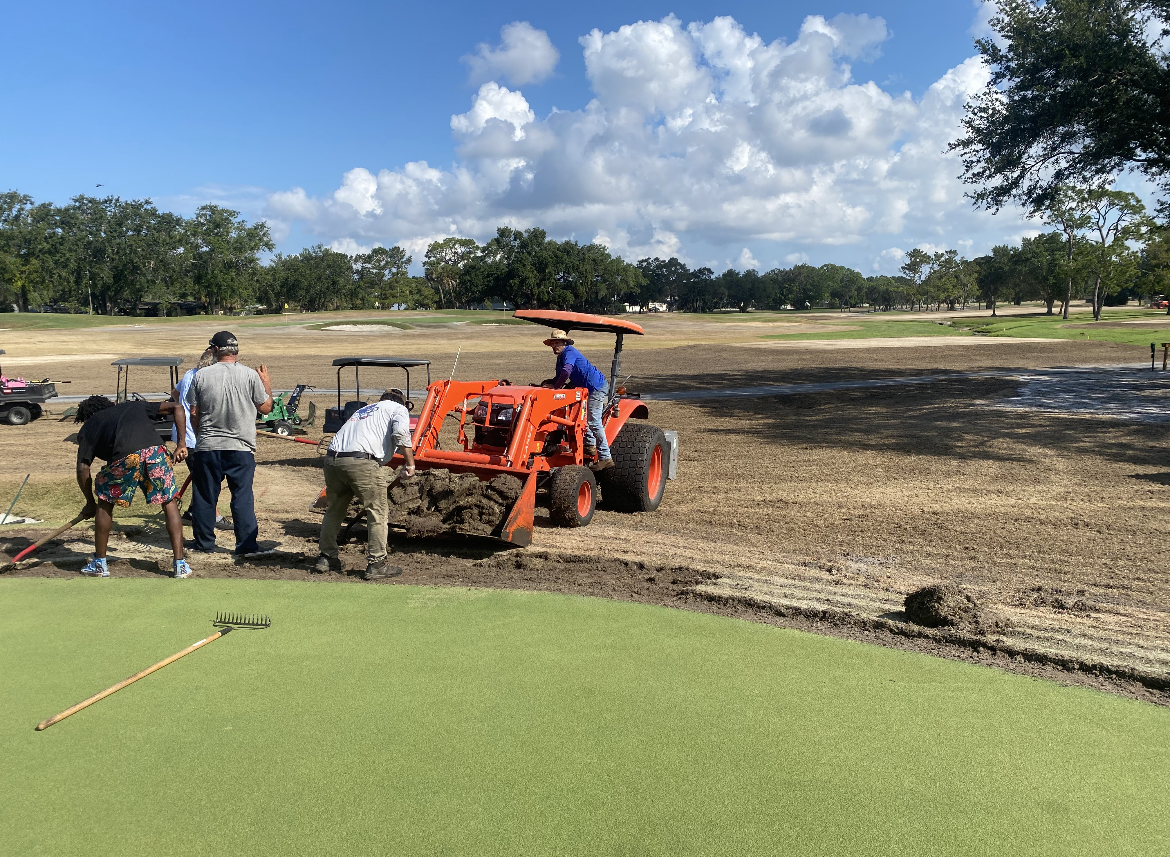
(90, 407)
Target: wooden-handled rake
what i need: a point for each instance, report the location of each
(224, 623)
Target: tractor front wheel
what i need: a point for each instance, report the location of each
(572, 496)
(637, 479)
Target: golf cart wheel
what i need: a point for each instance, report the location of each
(572, 496)
(18, 415)
(36, 411)
(281, 428)
(637, 479)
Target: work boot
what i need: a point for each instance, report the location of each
(326, 564)
(378, 569)
(604, 464)
(589, 451)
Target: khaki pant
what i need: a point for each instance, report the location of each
(366, 479)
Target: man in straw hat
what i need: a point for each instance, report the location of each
(573, 369)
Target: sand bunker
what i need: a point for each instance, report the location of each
(363, 328)
(438, 501)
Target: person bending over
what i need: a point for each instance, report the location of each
(124, 436)
(576, 371)
(355, 465)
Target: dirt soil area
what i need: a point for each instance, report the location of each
(820, 511)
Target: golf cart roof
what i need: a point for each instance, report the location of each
(393, 362)
(577, 321)
(148, 361)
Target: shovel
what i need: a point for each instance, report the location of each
(10, 565)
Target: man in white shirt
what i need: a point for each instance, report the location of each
(355, 466)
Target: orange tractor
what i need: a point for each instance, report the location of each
(536, 434)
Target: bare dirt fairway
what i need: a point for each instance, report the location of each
(819, 510)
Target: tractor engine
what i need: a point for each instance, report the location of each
(494, 417)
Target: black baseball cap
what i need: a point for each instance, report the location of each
(225, 339)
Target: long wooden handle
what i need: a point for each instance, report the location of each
(183, 490)
(275, 436)
(45, 724)
(47, 538)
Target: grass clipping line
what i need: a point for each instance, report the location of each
(439, 501)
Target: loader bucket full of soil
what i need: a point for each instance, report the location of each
(439, 501)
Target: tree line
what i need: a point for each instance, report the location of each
(108, 256)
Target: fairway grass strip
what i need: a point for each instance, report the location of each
(405, 720)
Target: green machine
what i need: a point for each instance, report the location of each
(284, 415)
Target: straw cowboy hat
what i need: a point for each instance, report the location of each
(559, 336)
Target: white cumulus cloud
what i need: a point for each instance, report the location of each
(746, 260)
(524, 55)
(493, 102)
(699, 140)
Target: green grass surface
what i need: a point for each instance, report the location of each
(875, 330)
(1038, 326)
(395, 318)
(1054, 327)
(403, 720)
(65, 321)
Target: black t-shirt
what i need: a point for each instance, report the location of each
(118, 431)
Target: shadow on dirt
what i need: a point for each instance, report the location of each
(949, 418)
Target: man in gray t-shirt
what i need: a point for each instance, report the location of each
(224, 399)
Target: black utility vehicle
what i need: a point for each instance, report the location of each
(335, 417)
(21, 400)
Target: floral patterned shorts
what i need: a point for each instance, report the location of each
(150, 468)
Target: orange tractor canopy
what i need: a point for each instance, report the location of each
(537, 434)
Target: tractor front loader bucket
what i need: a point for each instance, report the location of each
(517, 527)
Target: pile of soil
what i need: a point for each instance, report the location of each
(945, 605)
(439, 501)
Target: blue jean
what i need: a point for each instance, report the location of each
(209, 468)
(597, 400)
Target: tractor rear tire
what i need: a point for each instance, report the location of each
(637, 479)
(572, 496)
(18, 415)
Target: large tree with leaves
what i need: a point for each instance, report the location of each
(223, 254)
(1079, 91)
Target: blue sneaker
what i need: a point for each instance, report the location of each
(182, 569)
(96, 567)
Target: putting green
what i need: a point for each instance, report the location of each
(403, 720)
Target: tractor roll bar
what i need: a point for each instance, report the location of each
(403, 363)
(122, 388)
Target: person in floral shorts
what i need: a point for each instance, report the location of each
(126, 438)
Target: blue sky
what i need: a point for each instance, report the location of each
(269, 107)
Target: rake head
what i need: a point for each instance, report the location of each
(240, 620)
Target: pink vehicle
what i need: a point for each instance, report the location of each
(21, 400)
